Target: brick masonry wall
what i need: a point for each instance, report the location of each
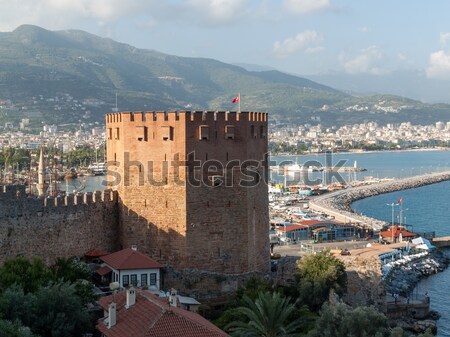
(211, 228)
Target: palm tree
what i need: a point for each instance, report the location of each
(267, 316)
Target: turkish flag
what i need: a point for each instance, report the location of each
(236, 99)
(399, 201)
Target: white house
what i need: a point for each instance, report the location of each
(130, 267)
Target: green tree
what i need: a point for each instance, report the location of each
(341, 321)
(10, 329)
(267, 316)
(317, 275)
(61, 312)
(77, 273)
(68, 269)
(29, 275)
(16, 306)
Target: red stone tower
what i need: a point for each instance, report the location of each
(192, 187)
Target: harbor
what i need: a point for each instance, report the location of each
(404, 264)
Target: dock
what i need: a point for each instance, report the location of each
(441, 242)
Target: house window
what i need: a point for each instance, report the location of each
(167, 132)
(153, 279)
(229, 132)
(143, 280)
(203, 132)
(134, 279)
(125, 280)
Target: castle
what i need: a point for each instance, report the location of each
(188, 188)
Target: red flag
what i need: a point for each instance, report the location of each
(236, 99)
(399, 201)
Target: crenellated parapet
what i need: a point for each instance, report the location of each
(193, 116)
(15, 202)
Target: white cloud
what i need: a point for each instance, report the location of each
(306, 6)
(306, 41)
(439, 65)
(443, 37)
(218, 11)
(363, 29)
(58, 14)
(402, 57)
(366, 62)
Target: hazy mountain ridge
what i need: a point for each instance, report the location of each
(70, 75)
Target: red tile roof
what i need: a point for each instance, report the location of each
(395, 231)
(150, 317)
(291, 228)
(130, 259)
(96, 252)
(315, 222)
(103, 270)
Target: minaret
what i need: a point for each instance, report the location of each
(41, 175)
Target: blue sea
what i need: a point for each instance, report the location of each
(426, 208)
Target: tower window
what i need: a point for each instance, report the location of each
(204, 132)
(109, 133)
(262, 131)
(252, 131)
(229, 132)
(141, 133)
(167, 132)
(216, 180)
(116, 134)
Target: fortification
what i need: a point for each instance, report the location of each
(192, 187)
(56, 227)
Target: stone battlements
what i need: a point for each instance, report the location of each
(14, 200)
(193, 116)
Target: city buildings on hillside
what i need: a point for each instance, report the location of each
(317, 137)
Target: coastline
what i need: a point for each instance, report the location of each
(351, 152)
(338, 204)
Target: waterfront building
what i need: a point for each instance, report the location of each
(396, 234)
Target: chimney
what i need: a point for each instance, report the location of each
(134, 247)
(173, 298)
(131, 297)
(111, 315)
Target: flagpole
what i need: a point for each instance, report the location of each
(239, 102)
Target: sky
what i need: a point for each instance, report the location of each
(303, 37)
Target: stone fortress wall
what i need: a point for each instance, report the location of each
(210, 237)
(49, 228)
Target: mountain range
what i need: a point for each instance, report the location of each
(69, 76)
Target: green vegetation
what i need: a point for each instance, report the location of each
(15, 157)
(262, 309)
(267, 316)
(45, 301)
(71, 76)
(318, 275)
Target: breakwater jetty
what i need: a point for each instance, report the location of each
(338, 204)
